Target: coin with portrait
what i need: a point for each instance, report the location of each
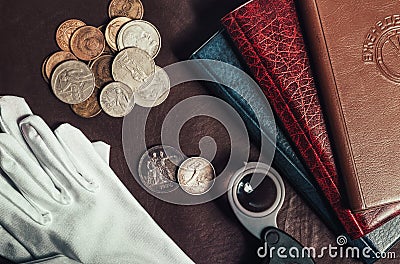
(140, 34)
(155, 91)
(133, 67)
(116, 99)
(196, 175)
(158, 167)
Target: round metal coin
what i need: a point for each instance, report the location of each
(101, 68)
(117, 99)
(55, 59)
(65, 31)
(88, 108)
(158, 167)
(127, 8)
(72, 82)
(154, 92)
(87, 43)
(196, 175)
(133, 67)
(112, 30)
(140, 34)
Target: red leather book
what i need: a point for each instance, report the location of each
(269, 38)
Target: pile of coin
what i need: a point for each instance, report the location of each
(163, 169)
(110, 67)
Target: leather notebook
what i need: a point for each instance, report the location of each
(357, 62)
(220, 48)
(269, 38)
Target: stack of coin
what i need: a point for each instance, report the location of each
(110, 67)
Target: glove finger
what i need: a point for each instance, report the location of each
(51, 154)
(12, 110)
(102, 148)
(80, 151)
(16, 210)
(28, 176)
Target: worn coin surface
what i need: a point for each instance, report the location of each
(133, 67)
(101, 68)
(107, 48)
(65, 31)
(155, 91)
(196, 175)
(112, 30)
(127, 8)
(117, 99)
(158, 168)
(87, 43)
(90, 107)
(140, 34)
(55, 59)
(72, 82)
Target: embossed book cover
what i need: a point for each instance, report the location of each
(355, 47)
(268, 36)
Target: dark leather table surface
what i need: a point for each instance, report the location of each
(208, 233)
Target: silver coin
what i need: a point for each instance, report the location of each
(72, 82)
(140, 34)
(157, 169)
(133, 67)
(196, 175)
(116, 99)
(155, 91)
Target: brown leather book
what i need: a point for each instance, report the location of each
(355, 48)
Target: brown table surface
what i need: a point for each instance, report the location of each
(208, 233)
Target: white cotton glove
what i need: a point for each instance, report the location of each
(74, 204)
(12, 110)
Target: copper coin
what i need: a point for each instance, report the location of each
(88, 108)
(101, 68)
(107, 49)
(55, 59)
(87, 43)
(127, 8)
(112, 30)
(44, 69)
(65, 31)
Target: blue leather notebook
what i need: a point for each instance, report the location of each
(285, 161)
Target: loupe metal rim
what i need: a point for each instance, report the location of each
(268, 172)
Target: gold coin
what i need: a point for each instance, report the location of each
(87, 43)
(88, 108)
(101, 68)
(107, 49)
(55, 59)
(44, 69)
(127, 8)
(65, 31)
(112, 30)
